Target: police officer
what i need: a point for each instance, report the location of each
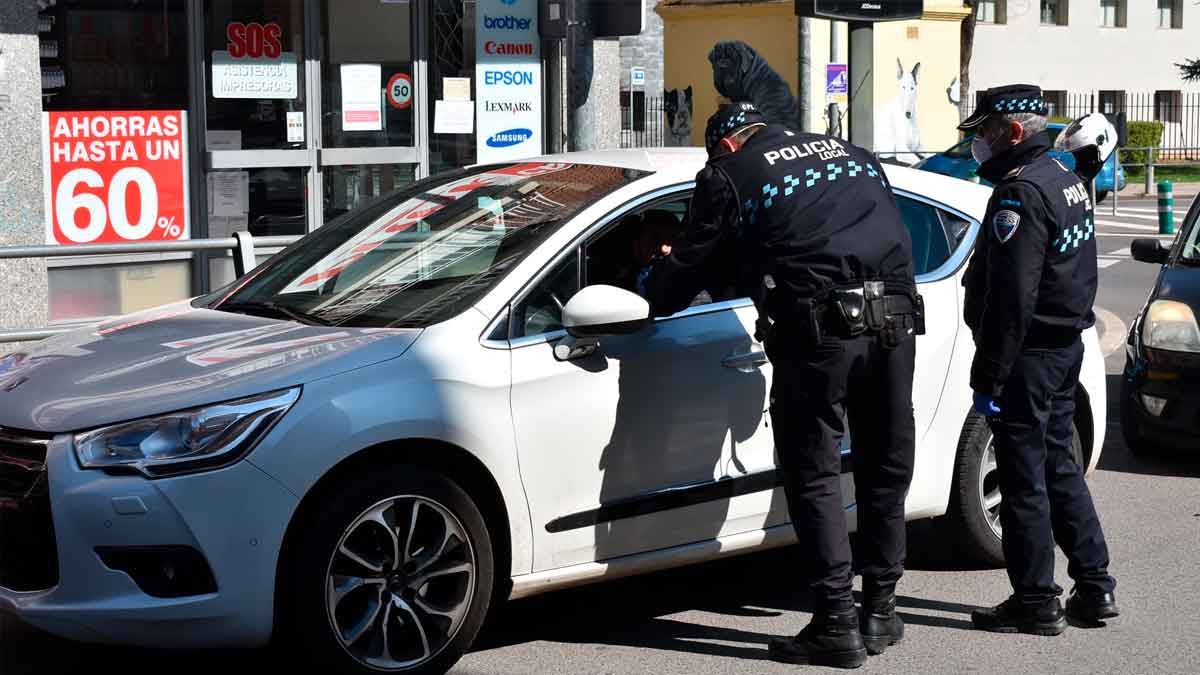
(1029, 293)
(808, 226)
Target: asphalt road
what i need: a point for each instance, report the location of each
(717, 618)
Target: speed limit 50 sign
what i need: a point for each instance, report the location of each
(400, 91)
(115, 176)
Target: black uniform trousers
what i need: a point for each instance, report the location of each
(1045, 497)
(813, 393)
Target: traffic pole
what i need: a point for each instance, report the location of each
(1166, 208)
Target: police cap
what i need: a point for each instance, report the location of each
(1007, 100)
(729, 118)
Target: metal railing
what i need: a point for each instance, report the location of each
(242, 245)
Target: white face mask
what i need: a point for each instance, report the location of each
(981, 150)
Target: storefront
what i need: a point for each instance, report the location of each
(170, 119)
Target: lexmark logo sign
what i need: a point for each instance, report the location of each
(507, 23)
(507, 106)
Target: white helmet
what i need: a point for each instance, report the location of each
(1092, 139)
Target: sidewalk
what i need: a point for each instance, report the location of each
(1181, 191)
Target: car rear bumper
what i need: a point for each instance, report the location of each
(1173, 377)
(232, 521)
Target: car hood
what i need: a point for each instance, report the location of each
(172, 358)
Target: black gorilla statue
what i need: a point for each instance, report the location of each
(741, 74)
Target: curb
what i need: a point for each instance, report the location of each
(1112, 333)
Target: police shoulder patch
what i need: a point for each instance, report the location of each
(1004, 225)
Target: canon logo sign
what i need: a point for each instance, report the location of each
(508, 48)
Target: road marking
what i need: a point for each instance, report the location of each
(1123, 209)
(1128, 226)
(1106, 262)
(1112, 334)
(1132, 235)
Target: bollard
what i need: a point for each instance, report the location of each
(1166, 208)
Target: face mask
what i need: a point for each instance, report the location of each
(981, 150)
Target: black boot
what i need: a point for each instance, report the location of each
(1011, 616)
(830, 639)
(880, 625)
(1089, 608)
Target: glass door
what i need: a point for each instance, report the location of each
(368, 144)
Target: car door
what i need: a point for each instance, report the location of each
(657, 439)
(936, 233)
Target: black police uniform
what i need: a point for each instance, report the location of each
(1030, 286)
(812, 219)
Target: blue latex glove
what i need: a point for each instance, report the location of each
(641, 279)
(985, 405)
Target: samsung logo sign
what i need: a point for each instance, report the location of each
(513, 77)
(511, 137)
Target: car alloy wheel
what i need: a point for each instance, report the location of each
(400, 583)
(989, 487)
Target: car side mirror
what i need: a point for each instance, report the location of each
(1149, 251)
(605, 310)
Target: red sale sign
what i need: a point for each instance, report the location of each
(115, 176)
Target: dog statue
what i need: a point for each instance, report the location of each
(741, 74)
(677, 104)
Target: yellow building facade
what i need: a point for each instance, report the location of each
(916, 67)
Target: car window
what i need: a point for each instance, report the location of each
(541, 310)
(620, 253)
(962, 150)
(930, 244)
(1189, 235)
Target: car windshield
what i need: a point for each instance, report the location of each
(1190, 233)
(425, 254)
(963, 149)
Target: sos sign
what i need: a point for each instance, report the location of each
(254, 40)
(400, 91)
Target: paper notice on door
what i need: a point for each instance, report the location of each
(453, 117)
(456, 88)
(362, 97)
(230, 193)
(295, 127)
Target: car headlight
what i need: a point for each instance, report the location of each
(1171, 325)
(186, 441)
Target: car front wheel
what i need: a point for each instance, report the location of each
(393, 573)
(975, 500)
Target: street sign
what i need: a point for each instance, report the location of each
(399, 91)
(837, 83)
(637, 77)
(858, 10)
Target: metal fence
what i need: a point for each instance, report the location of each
(643, 120)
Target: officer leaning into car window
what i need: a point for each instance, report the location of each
(807, 225)
(1029, 293)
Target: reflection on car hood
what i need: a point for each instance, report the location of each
(172, 358)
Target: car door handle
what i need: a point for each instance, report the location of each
(745, 361)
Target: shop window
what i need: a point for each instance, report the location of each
(1170, 14)
(992, 11)
(367, 83)
(1054, 12)
(451, 60)
(254, 56)
(121, 55)
(1167, 106)
(91, 292)
(1113, 13)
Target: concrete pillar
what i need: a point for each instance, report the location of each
(24, 296)
(606, 93)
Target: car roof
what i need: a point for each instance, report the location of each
(670, 166)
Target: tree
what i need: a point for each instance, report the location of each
(1189, 71)
(966, 46)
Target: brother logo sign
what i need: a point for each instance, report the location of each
(513, 77)
(507, 23)
(510, 137)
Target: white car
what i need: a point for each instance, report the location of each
(374, 436)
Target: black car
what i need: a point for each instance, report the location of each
(1160, 392)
